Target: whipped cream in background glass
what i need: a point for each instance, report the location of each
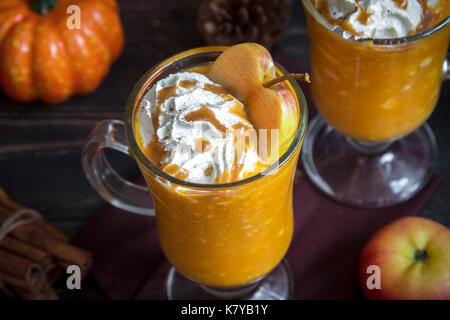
(382, 19)
(197, 125)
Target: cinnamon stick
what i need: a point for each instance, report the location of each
(55, 273)
(71, 254)
(8, 206)
(44, 293)
(25, 250)
(18, 283)
(14, 266)
(36, 237)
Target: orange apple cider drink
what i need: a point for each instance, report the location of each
(224, 236)
(370, 92)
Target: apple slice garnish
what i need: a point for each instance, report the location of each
(248, 73)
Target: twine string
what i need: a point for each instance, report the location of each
(18, 218)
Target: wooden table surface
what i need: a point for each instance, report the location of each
(40, 145)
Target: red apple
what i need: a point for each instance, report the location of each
(413, 257)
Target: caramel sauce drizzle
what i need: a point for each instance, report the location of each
(219, 90)
(202, 145)
(237, 109)
(155, 150)
(163, 95)
(429, 19)
(205, 114)
(209, 171)
(402, 4)
(175, 171)
(363, 16)
(238, 126)
(322, 7)
(187, 84)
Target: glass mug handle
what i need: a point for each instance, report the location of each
(111, 186)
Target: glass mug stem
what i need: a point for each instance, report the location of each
(369, 148)
(276, 285)
(111, 186)
(233, 293)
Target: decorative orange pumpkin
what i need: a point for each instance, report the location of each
(42, 58)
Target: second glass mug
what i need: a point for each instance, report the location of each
(225, 240)
(372, 95)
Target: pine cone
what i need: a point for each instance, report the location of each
(227, 22)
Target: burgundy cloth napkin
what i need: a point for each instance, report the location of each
(328, 239)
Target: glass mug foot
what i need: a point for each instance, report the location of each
(368, 175)
(276, 285)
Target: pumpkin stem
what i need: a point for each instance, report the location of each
(43, 6)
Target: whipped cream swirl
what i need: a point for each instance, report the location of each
(195, 122)
(380, 19)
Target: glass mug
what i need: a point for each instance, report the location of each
(223, 240)
(372, 95)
